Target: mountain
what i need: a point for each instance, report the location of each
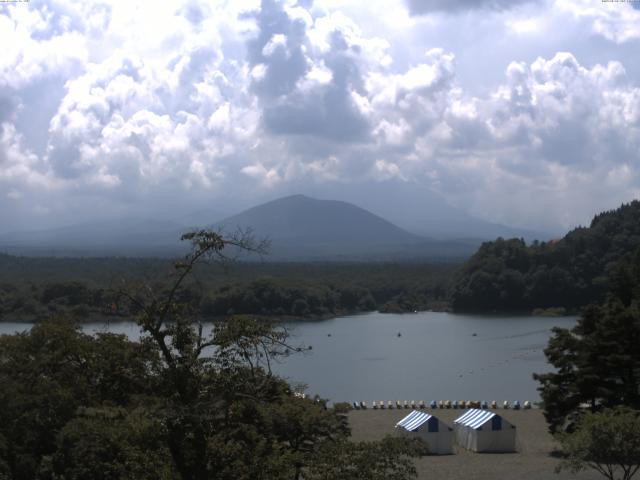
(201, 218)
(420, 211)
(129, 236)
(466, 226)
(300, 227)
(508, 275)
(311, 221)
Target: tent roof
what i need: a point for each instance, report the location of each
(475, 418)
(412, 421)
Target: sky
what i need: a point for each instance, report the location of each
(523, 112)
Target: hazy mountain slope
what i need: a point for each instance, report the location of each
(106, 237)
(420, 211)
(304, 228)
(201, 218)
(464, 226)
(308, 220)
(445, 222)
(299, 227)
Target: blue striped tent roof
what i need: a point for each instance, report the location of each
(412, 421)
(475, 418)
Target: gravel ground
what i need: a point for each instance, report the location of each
(532, 461)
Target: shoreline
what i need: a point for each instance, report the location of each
(284, 319)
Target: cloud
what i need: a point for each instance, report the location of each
(157, 108)
(37, 47)
(422, 7)
(556, 131)
(129, 122)
(615, 21)
(307, 73)
(268, 177)
(19, 166)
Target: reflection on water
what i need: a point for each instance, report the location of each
(523, 334)
(437, 356)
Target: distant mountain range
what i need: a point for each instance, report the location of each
(420, 211)
(308, 221)
(303, 228)
(123, 237)
(299, 227)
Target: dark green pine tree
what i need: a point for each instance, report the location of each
(598, 361)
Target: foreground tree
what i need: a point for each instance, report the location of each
(110, 443)
(51, 372)
(213, 385)
(185, 402)
(227, 415)
(608, 442)
(598, 361)
(389, 459)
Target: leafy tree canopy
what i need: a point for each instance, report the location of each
(608, 442)
(598, 361)
(508, 275)
(179, 404)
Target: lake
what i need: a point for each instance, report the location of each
(436, 356)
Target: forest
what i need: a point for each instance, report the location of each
(597, 362)
(591, 397)
(564, 275)
(32, 289)
(555, 277)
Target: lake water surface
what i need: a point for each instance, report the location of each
(361, 357)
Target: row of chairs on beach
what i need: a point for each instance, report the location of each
(441, 404)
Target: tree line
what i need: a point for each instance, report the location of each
(569, 273)
(592, 398)
(597, 363)
(31, 289)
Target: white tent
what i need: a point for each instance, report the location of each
(437, 435)
(484, 431)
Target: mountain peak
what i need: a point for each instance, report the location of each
(311, 221)
(295, 196)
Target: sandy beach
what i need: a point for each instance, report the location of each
(532, 461)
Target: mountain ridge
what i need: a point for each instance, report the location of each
(300, 228)
(299, 217)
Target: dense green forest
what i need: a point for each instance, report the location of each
(508, 275)
(32, 289)
(597, 363)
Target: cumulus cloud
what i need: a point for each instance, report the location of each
(38, 46)
(18, 166)
(420, 7)
(616, 21)
(129, 123)
(174, 104)
(309, 80)
(555, 131)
